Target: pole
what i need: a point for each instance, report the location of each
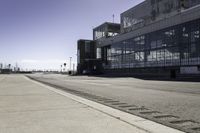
(113, 18)
(73, 67)
(70, 63)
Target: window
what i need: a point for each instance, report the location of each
(185, 34)
(167, 47)
(98, 53)
(152, 56)
(87, 47)
(139, 56)
(160, 55)
(153, 44)
(195, 36)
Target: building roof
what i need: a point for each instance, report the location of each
(106, 23)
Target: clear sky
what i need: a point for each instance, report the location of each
(42, 34)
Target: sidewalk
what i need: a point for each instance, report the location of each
(28, 107)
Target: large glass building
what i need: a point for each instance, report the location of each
(156, 36)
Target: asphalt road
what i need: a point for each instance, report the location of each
(180, 99)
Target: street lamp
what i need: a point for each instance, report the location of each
(70, 63)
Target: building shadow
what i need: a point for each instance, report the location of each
(178, 78)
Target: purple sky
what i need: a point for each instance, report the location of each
(43, 33)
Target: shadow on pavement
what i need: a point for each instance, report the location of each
(179, 78)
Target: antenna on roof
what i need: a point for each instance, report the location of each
(113, 18)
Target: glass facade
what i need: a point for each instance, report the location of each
(174, 46)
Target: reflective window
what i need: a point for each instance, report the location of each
(168, 47)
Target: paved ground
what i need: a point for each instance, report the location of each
(26, 107)
(181, 99)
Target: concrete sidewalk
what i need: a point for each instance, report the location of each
(28, 107)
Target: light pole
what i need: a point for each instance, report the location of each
(113, 18)
(70, 63)
(1, 65)
(73, 68)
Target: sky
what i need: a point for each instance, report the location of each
(43, 34)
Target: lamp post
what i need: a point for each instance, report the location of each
(73, 68)
(113, 16)
(70, 58)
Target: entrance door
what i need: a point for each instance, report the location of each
(173, 74)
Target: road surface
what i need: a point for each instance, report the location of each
(180, 99)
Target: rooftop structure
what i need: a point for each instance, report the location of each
(106, 30)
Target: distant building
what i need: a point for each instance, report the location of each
(5, 71)
(155, 36)
(1, 67)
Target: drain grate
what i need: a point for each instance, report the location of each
(94, 97)
(111, 101)
(183, 122)
(166, 117)
(118, 103)
(127, 106)
(149, 112)
(196, 128)
(98, 97)
(138, 109)
(103, 99)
